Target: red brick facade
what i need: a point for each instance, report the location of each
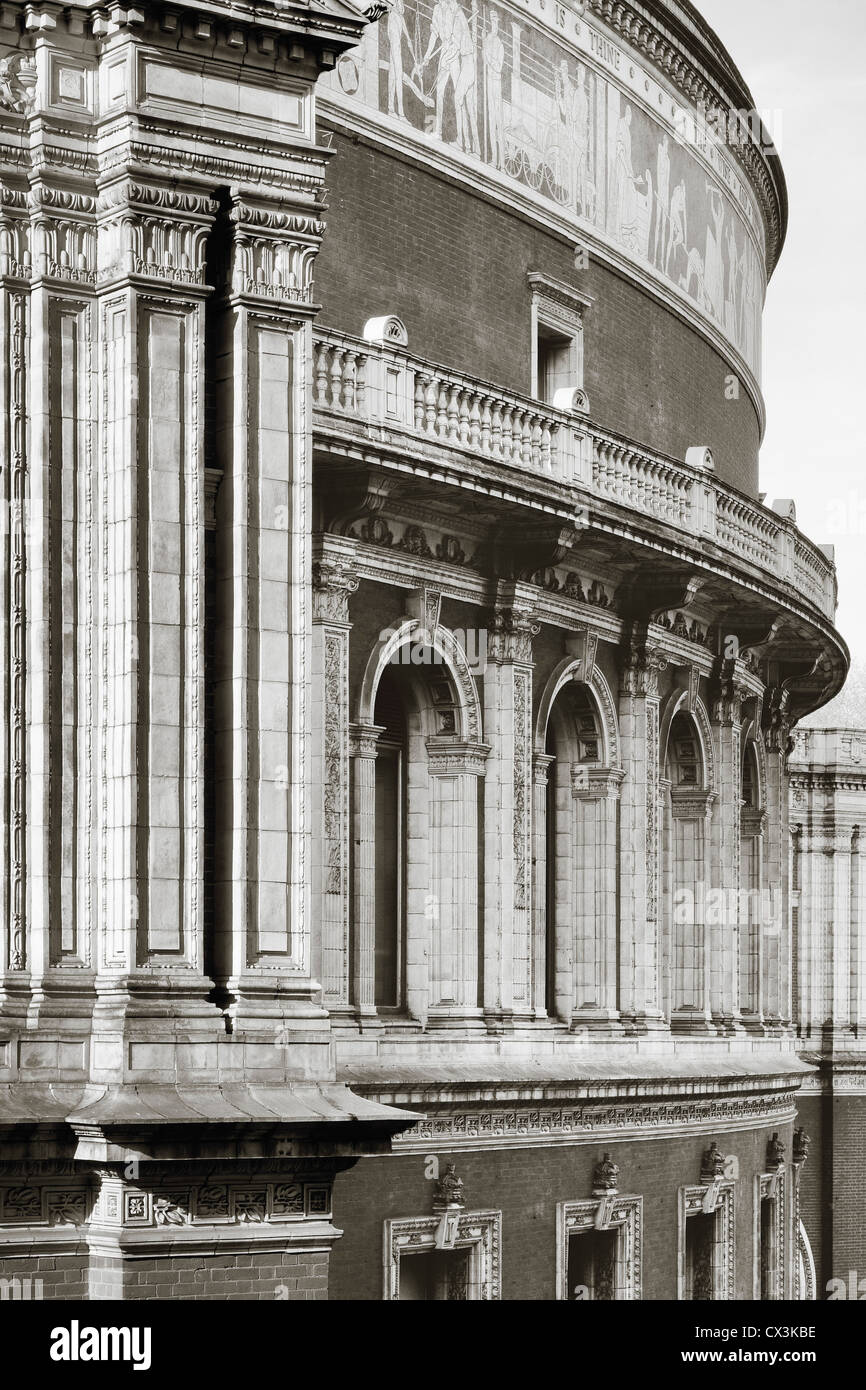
(453, 267)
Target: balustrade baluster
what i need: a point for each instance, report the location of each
(441, 422)
(347, 398)
(322, 355)
(430, 400)
(419, 397)
(336, 375)
(475, 433)
(361, 385)
(496, 430)
(545, 440)
(453, 415)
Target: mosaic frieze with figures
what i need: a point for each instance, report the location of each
(498, 90)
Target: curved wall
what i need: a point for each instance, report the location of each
(453, 265)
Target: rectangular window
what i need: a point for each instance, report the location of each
(700, 1257)
(598, 1255)
(556, 336)
(592, 1259)
(424, 1263)
(435, 1275)
(705, 1243)
(557, 362)
(770, 1246)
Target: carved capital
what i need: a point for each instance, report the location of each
(696, 804)
(541, 765)
(448, 757)
(153, 232)
(333, 582)
(363, 739)
(641, 669)
(512, 630)
(273, 252)
(595, 783)
(752, 822)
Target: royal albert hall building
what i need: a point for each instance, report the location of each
(399, 658)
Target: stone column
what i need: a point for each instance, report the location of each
(541, 932)
(150, 561)
(639, 840)
(692, 923)
(596, 795)
(836, 922)
(777, 932)
(15, 274)
(563, 892)
(362, 750)
(453, 983)
(333, 582)
(724, 927)
(262, 351)
(753, 920)
(508, 927)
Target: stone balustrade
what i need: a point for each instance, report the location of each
(381, 385)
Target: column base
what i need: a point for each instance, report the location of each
(638, 1024)
(456, 1018)
(753, 1023)
(595, 1021)
(693, 1023)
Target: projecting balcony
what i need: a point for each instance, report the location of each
(382, 397)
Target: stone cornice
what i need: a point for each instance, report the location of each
(548, 1125)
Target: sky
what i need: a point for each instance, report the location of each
(805, 65)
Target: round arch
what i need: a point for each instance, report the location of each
(676, 704)
(599, 692)
(443, 642)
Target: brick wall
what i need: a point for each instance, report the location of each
(453, 267)
(526, 1185)
(849, 1185)
(49, 1277)
(269, 1276)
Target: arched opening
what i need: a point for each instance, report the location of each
(577, 926)
(685, 804)
(753, 908)
(416, 846)
(390, 845)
